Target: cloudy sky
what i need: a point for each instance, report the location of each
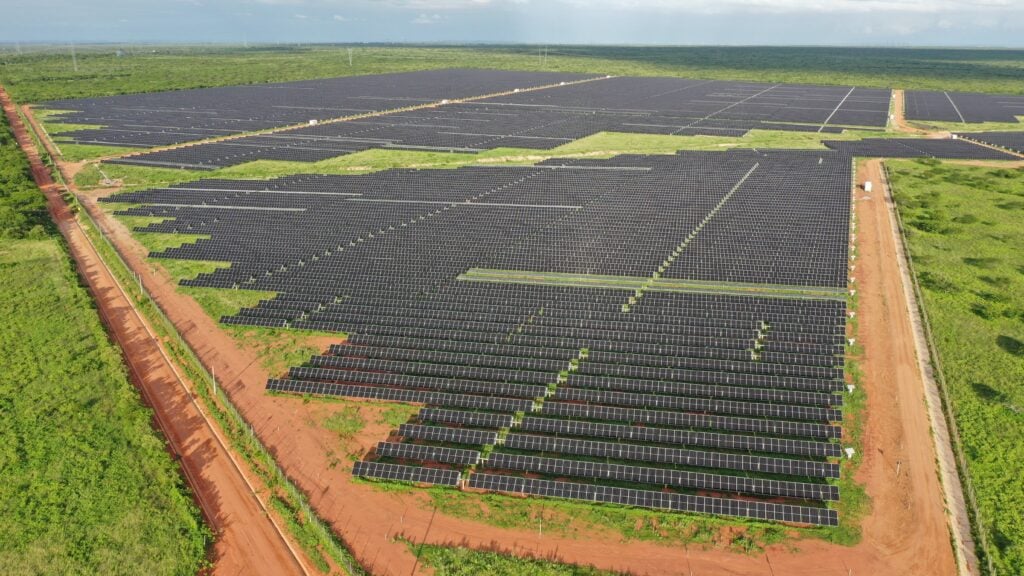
(840, 22)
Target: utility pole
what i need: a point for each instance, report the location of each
(74, 58)
(350, 57)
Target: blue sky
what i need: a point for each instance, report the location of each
(782, 22)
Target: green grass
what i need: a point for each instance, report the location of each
(47, 73)
(603, 144)
(218, 303)
(978, 127)
(280, 348)
(88, 486)
(573, 519)
(188, 269)
(451, 561)
(76, 152)
(965, 230)
(22, 208)
(346, 423)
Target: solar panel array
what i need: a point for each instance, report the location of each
(918, 148)
(166, 118)
(962, 106)
(1013, 141)
(690, 400)
(541, 119)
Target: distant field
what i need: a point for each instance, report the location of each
(964, 228)
(47, 73)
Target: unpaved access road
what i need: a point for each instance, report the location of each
(247, 540)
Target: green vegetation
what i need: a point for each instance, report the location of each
(22, 208)
(964, 229)
(280, 348)
(88, 486)
(47, 74)
(449, 561)
(218, 303)
(75, 152)
(979, 127)
(188, 269)
(346, 422)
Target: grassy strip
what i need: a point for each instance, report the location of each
(970, 127)
(962, 230)
(578, 519)
(238, 432)
(600, 145)
(452, 561)
(636, 283)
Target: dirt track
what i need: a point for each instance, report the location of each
(905, 533)
(247, 542)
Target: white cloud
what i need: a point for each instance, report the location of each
(340, 18)
(300, 16)
(427, 19)
(797, 6)
(719, 6)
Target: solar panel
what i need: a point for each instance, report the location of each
(427, 453)
(383, 471)
(656, 500)
(661, 476)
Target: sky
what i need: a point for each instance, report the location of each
(998, 23)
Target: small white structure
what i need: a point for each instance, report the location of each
(867, 186)
(314, 122)
(849, 453)
(953, 136)
(445, 101)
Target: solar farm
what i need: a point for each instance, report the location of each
(660, 331)
(666, 333)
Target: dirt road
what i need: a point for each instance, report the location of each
(958, 519)
(247, 542)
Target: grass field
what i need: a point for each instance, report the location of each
(965, 230)
(88, 486)
(46, 73)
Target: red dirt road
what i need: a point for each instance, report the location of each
(905, 533)
(247, 540)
